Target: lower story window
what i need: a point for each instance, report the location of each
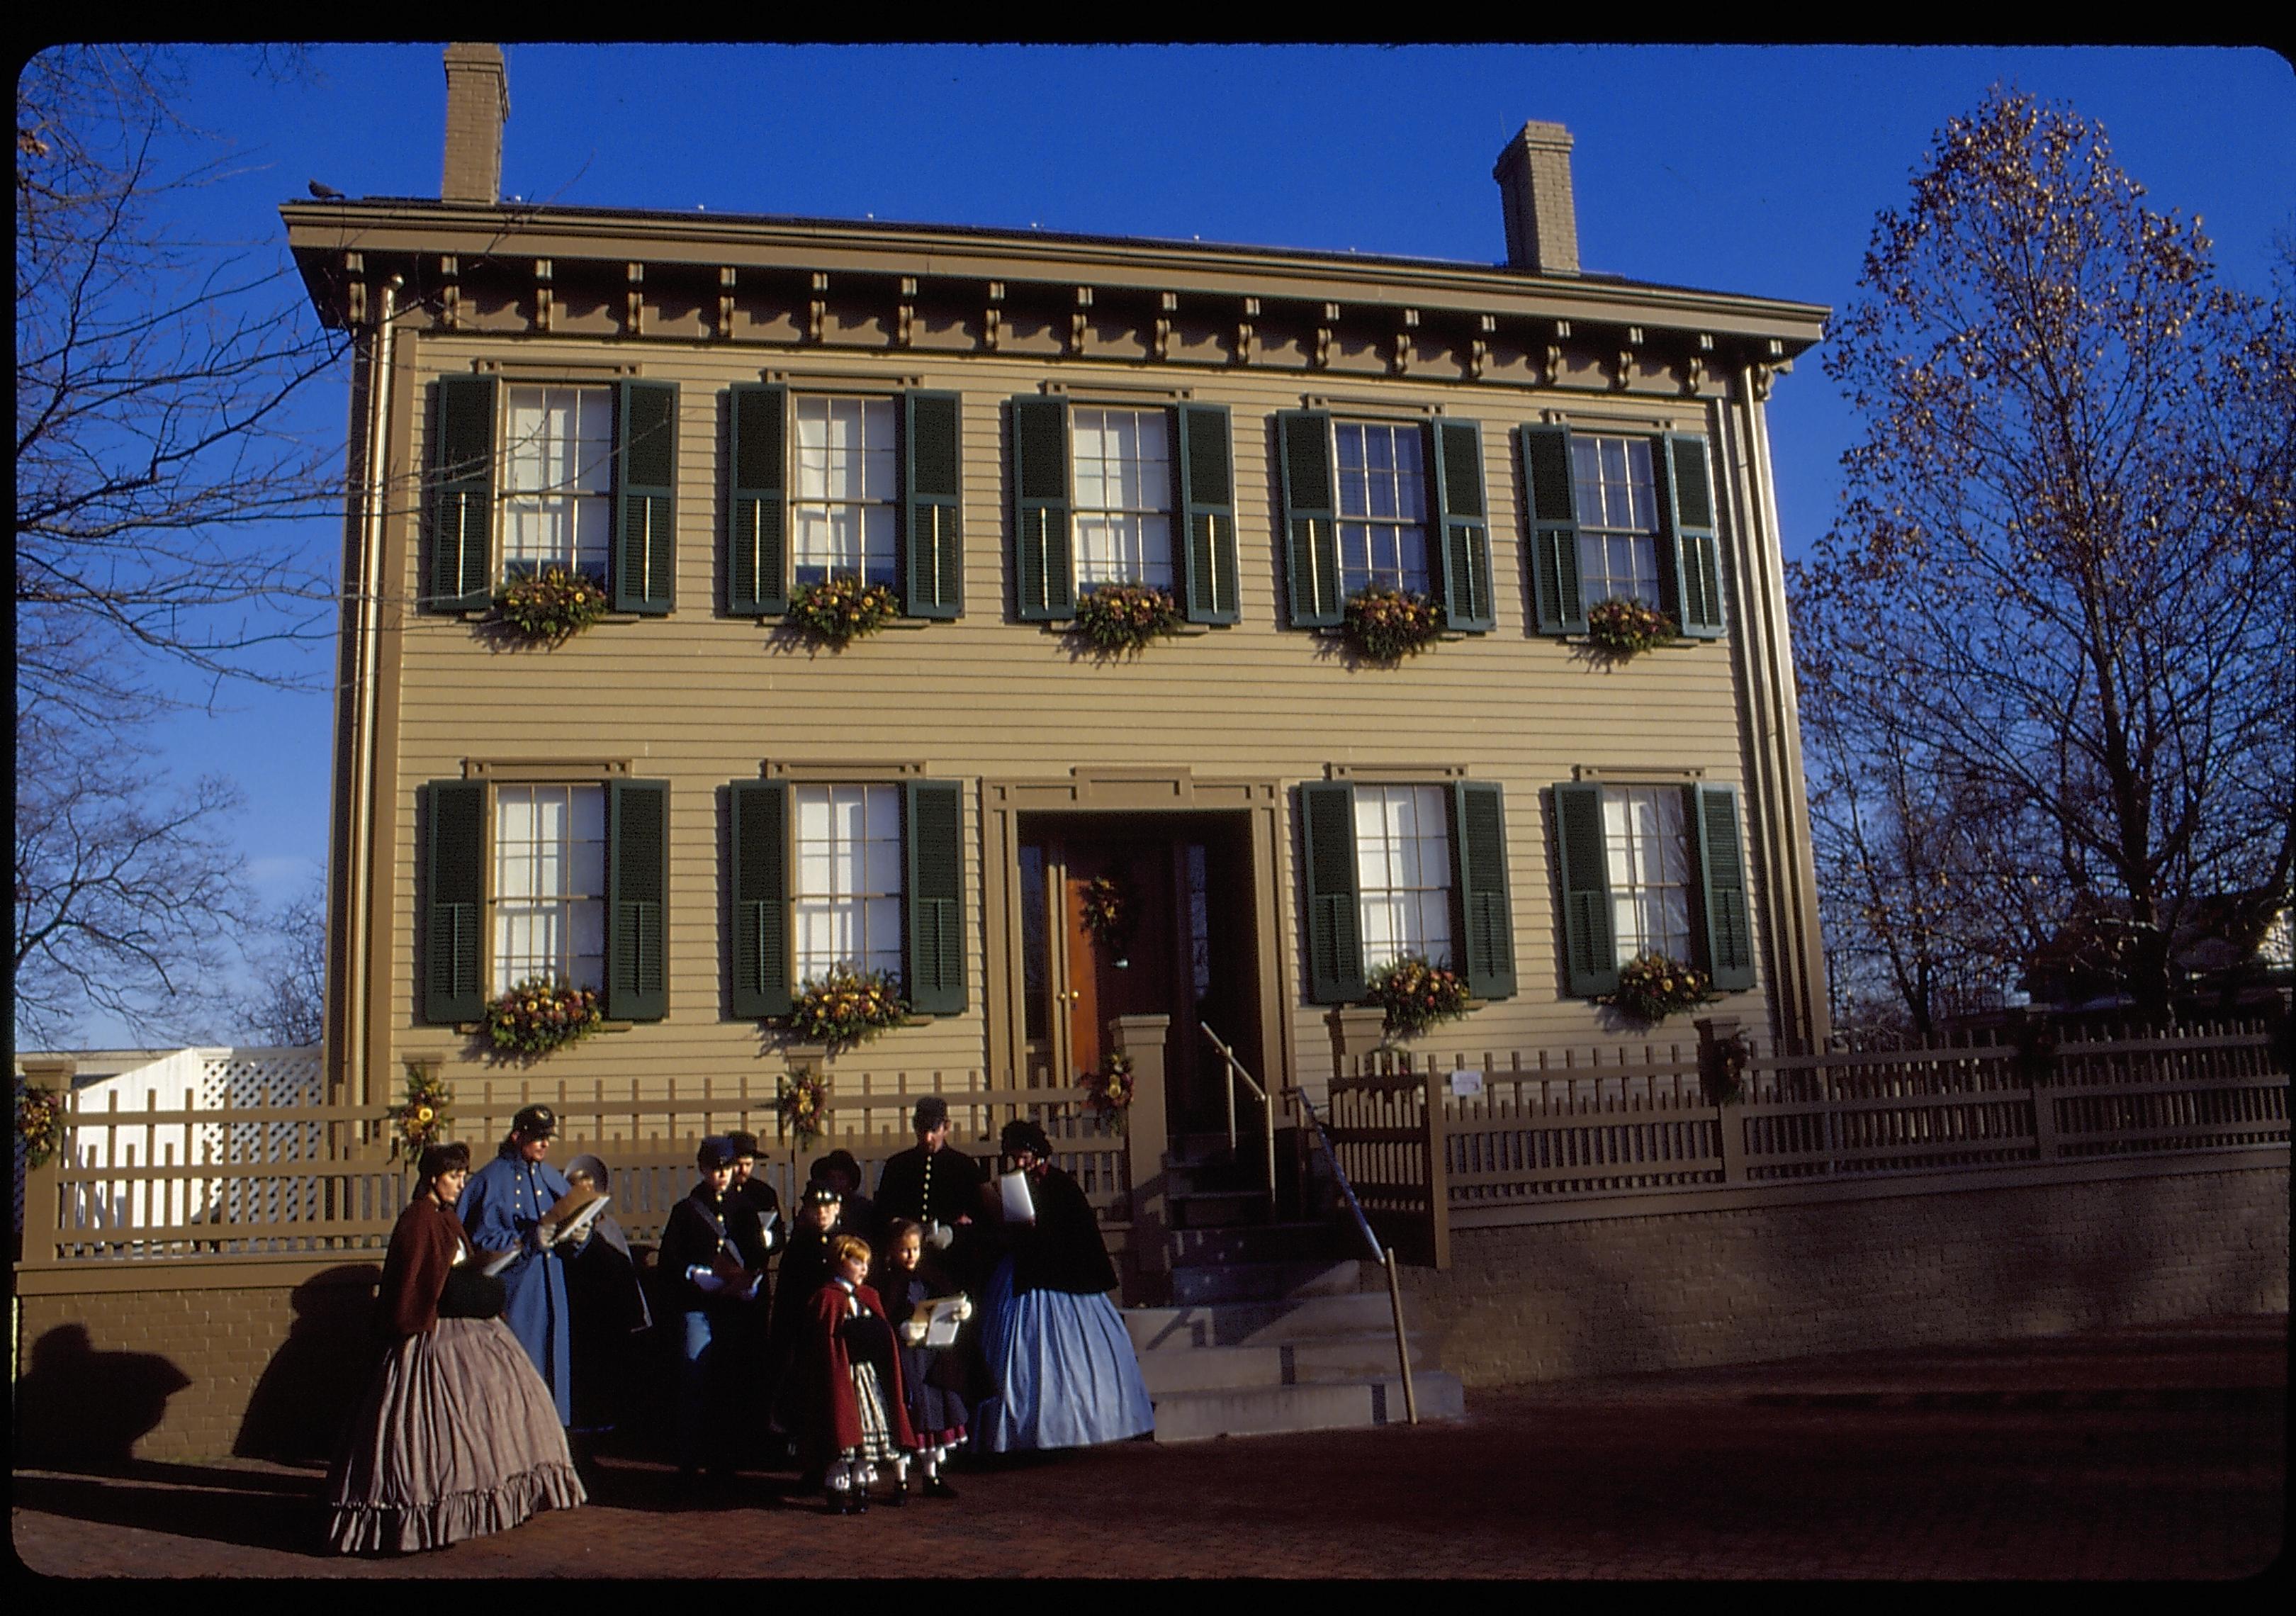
(1646, 852)
(549, 888)
(848, 887)
(1403, 873)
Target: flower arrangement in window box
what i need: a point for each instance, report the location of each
(422, 1121)
(1416, 994)
(1108, 1089)
(1107, 908)
(1624, 629)
(1388, 625)
(846, 1006)
(40, 1124)
(541, 1014)
(842, 610)
(551, 605)
(1652, 987)
(801, 1100)
(1123, 617)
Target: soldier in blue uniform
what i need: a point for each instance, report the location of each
(503, 1203)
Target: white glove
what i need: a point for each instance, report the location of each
(940, 1237)
(534, 1241)
(912, 1334)
(706, 1281)
(963, 1308)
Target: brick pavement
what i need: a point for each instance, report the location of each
(2153, 1452)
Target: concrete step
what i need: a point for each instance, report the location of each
(1245, 1282)
(1255, 1243)
(1263, 1323)
(1352, 1358)
(1187, 1416)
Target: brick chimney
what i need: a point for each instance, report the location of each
(477, 101)
(1534, 177)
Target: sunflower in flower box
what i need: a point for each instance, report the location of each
(542, 1013)
(1416, 994)
(846, 1006)
(552, 604)
(842, 610)
(1625, 628)
(1652, 987)
(1123, 617)
(1388, 625)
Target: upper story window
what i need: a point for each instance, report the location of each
(1123, 481)
(827, 487)
(844, 512)
(549, 888)
(1403, 872)
(1383, 506)
(848, 887)
(558, 477)
(1618, 520)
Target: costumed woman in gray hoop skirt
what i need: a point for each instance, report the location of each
(458, 1436)
(1065, 1372)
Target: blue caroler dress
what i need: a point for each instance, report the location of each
(1065, 1371)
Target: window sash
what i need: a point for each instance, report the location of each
(1121, 468)
(845, 882)
(558, 447)
(1382, 505)
(841, 507)
(1647, 858)
(1617, 497)
(1403, 873)
(548, 891)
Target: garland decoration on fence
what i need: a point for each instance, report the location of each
(1108, 1089)
(1107, 908)
(542, 1013)
(2036, 1053)
(420, 1122)
(1623, 629)
(1387, 625)
(1416, 994)
(846, 1006)
(842, 610)
(1651, 987)
(801, 1100)
(1724, 1075)
(40, 1124)
(1123, 619)
(551, 605)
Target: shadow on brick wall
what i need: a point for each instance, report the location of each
(313, 1383)
(81, 1407)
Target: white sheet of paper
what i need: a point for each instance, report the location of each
(1017, 1207)
(940, 1330)
(501, 1260)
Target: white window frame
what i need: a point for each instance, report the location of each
(554, 479)
(1381, 508)
(1618, 528)
(1652, 868)
(845, 487)
(846, 889)
(1121, 513)
(1404, 873)
(547, 885)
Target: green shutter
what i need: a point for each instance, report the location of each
(643, 560)
(759, 888)
(1462, 524)
(1553, 505)
(461, 501)
(1590, 949)
(1335, 968)
(454, 818)
(1479, 872)
(1205, 502)
(1689, 547)
(1044, 576)
(757, 510)
(1311, 534)
(932, 553)
(932, 820)
(637, 881)
(1722, 885)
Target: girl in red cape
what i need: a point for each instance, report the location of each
(859, 1415)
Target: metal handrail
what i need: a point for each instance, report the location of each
(1384, 1255)
(1266, 1110)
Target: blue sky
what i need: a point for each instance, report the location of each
(1756, 169)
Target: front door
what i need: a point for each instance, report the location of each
(1117, 920)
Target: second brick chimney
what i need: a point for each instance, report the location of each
(478, 102)
(1534, 177)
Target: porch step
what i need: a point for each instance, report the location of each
(1263, 1323)
(1215, 1208)
(1251, 1282)
(1252, 1242)
(1188, 1416)
(1293, 1364)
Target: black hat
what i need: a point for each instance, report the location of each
(932, 1111)
(818, 1194)
(1021, 1133)
(744, 1145)
(839, 1161)
(534, 1121)
(716, 1151)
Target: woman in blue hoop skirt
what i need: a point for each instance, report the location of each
(1065, 1373)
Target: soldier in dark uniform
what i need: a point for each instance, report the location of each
(939, 1188)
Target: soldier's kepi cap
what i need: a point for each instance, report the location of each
(932, 1111)
(535, 1121)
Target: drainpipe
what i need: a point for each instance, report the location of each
(358, 867)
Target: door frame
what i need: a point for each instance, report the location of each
(1130, 792)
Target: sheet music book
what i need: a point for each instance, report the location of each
(571, 1218)
(1019, 1208)
(938, 1315)
(500, 1260)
